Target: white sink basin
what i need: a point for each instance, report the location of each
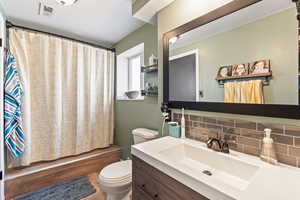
(220, 168)
(234, 176)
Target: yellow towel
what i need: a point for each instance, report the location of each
(244, 92)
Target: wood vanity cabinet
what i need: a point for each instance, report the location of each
(148, 183)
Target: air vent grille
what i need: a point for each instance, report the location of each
(45, 10)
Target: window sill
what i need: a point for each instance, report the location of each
(127, 99)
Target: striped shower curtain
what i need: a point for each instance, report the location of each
(68, 96)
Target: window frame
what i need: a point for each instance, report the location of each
(129, 75)
(123, 75)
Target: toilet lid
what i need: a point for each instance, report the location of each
(117, 172)
(145, 133)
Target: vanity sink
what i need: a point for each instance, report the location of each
(218, 166)
(217, 175)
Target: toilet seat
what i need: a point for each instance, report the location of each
(117, 173)
(116, 179)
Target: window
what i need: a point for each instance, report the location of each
(134, 77)
(129, 76)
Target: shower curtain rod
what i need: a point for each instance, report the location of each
(11, 25)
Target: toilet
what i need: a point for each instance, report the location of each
(115, 179)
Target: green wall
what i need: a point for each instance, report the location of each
(134, 114)
(179, 13)
(141, 113)
(276, 40)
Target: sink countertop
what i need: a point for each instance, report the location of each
(270, 182)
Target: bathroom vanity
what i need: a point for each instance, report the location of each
(179, 169)
(150, 183)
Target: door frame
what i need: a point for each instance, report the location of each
(187, 53)
(2, 57)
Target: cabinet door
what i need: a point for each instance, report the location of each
(159, 185)
(154, 188)
(139, 194)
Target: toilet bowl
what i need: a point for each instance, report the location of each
(115, 179)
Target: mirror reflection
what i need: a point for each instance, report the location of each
(250, 56)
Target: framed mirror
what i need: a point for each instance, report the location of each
(242, 58)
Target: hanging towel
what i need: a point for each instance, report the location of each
(244, 92)
(232, 92)
(13, 131)
(252, 92)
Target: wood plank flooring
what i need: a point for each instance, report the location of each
(100, 194)
(91, 166)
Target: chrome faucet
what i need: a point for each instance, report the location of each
(218, 145)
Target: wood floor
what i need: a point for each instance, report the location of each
(21, 181)
(99, 195)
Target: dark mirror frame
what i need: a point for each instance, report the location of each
(268, 110)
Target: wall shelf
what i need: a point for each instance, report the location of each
(150, 73)
(266, 75)
(222, 80)
(150, 68)
(148, 93)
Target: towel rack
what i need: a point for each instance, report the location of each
(265, 76)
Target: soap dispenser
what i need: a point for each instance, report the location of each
(152, 60)
(268, 151)
(182, 124)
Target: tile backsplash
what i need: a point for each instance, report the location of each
(246, 136)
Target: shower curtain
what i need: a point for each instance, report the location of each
(68, 105)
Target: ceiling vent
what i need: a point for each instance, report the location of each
(45, 10)
(66, 2)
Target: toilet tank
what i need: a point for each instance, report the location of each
(142, 135)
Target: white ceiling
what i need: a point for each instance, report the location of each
(100, 21)
(247, 15)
